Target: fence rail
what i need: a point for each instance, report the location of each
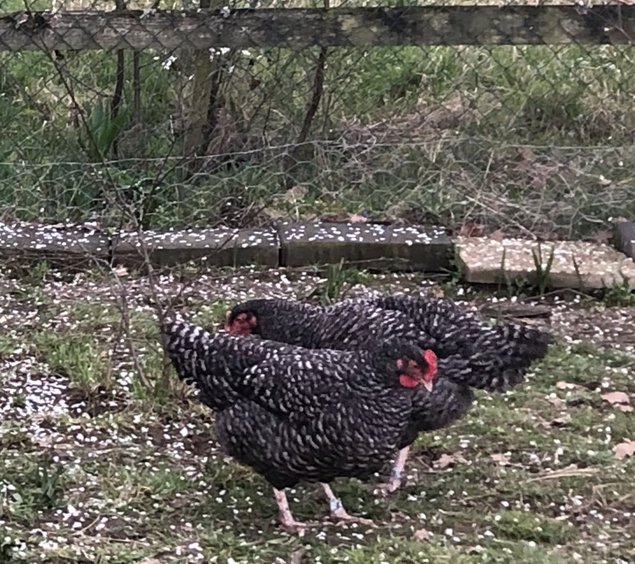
(305, 27)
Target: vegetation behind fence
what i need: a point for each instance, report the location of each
(516, 118)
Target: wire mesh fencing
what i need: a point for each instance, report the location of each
(121, 113)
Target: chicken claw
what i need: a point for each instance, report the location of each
(339, 513)
(287, 521)
(397, 477)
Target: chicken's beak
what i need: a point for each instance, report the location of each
(428, 385)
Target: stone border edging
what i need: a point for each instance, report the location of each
(295, 244)
(374, 246)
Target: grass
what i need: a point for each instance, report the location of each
(339, 279)
(109, 470)
(519, 137)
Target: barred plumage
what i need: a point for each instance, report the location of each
(471, 352)
(496, 357)
(295, 414)
(499, 355)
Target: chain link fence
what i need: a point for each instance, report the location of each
(524, 138)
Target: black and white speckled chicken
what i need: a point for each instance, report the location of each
(482, 356)
(294, 414)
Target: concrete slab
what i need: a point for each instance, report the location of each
(218, 247)
(576, 264)
(60, 244)
(370, 245)
(625, 237)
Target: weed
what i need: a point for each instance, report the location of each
(6, 345)
(77, 357)
(19, 400)
(339, 279)
(102, 130)
(519, 525)
(35, 485)
(620, 295)
(543, 271)
(514, 287)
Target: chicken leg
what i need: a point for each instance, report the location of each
(396, 476)
(339, 513)
(287, 521)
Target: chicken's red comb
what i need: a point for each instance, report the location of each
(431, 358)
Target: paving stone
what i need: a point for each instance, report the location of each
(59, 244)
(625, 237)
(576, 264)
(218, 247)
(370, 245)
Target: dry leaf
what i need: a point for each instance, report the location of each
(357, 218)
(556, 401)
(603, 236)
(422, 535)
(272, 213)
(120, 271)
(567, 386)
(345, 218)
(294, 194)
(297, 556)
(437, 292)
(561, 421)
(500, 458)
(472, 229)
(446, 460)
(625, 449)
(526, 154)
(540, 174)
(616, 398)
(497, 235)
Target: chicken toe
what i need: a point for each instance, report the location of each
(286, 519)
(339, 513)
(397, 475)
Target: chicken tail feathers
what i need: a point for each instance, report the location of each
(499, 359)
(527, 343)
(196, 362)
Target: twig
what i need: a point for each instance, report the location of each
(84, 529)
(125, 324)
(564, 473)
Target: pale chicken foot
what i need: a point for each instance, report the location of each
(396, 476)
(286, 519)
(339, 513)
